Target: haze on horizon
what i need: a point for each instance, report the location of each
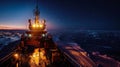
(62, 14)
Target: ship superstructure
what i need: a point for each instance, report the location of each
(38, 25)
(37, 30)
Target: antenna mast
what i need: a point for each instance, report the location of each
(37, 13)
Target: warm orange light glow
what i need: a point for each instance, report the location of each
(41, 25)
(34, 55)
(37, 25)
(34, 25)
(16, 55)
(38, 57)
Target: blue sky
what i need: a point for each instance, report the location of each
(63, 14)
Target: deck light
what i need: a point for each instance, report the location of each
(16, 55)
(34, 25)
(41, 25)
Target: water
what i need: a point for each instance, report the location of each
(7, 36)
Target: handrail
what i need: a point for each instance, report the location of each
(72, 60)
(5, 58)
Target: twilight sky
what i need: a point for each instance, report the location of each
(63, 14)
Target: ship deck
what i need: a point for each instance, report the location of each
(76, 55)
(71, 56)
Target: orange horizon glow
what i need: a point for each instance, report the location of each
(11, 27)
(25, 27)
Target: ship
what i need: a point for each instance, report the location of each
(37, 48)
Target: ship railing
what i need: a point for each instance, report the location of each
(12, 51)
(73, 61)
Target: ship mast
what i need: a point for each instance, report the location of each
(37, 13)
